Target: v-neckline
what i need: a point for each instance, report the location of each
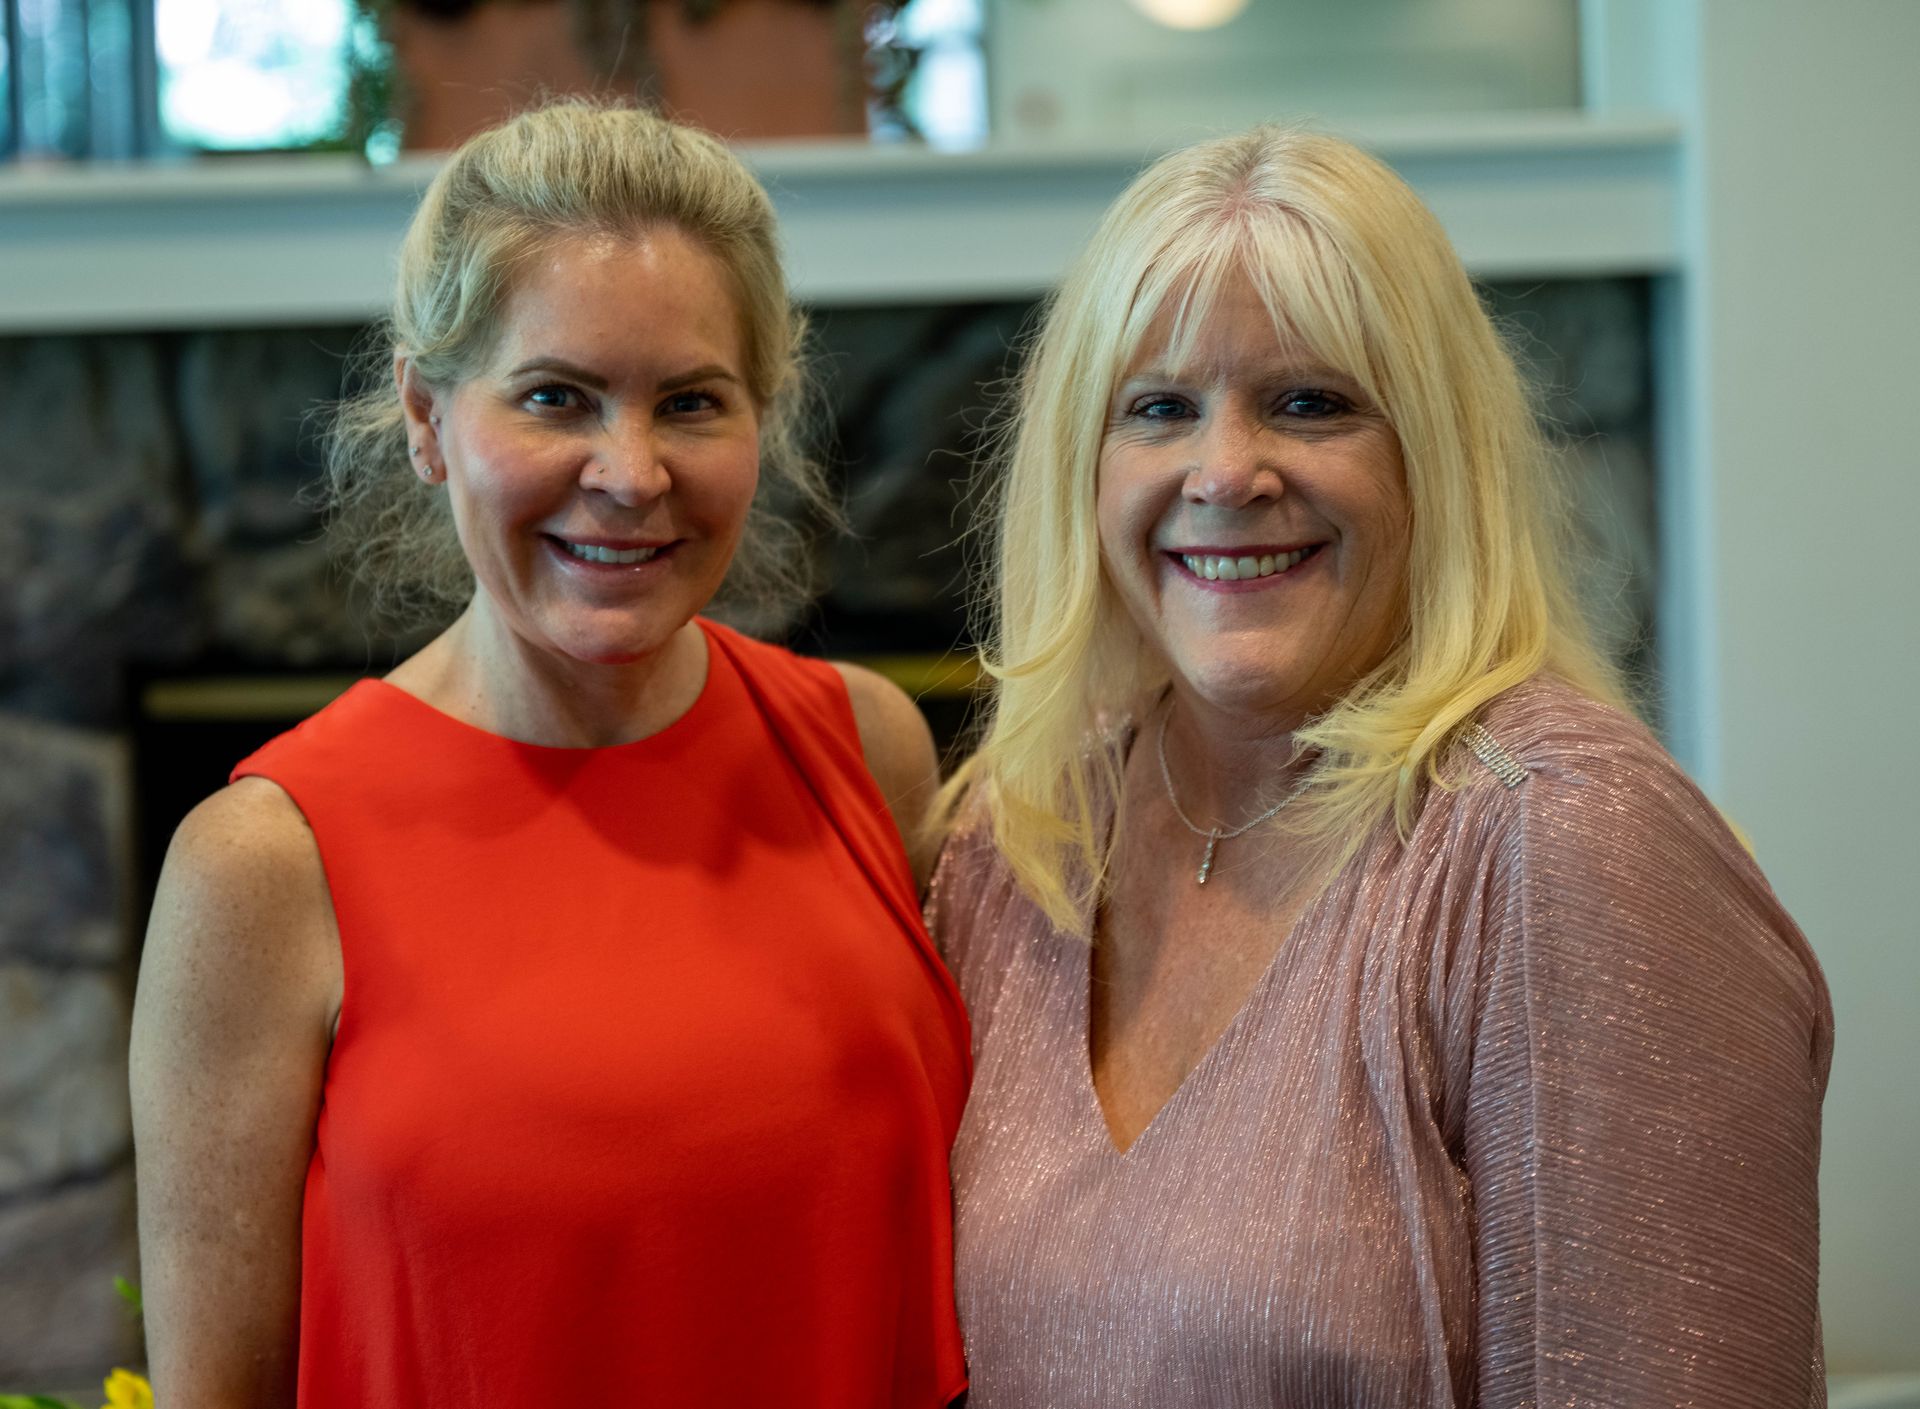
(1210, 1058)
(1195, 1075)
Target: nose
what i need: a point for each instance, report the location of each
(627, 465)
(1235, 461)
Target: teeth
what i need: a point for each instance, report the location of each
(1215, 568)
(592, 554)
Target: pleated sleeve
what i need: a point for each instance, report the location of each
(1642, 1127)
(1649, 1049)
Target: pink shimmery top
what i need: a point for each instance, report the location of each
(1525, 1112)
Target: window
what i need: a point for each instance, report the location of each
(250, 75)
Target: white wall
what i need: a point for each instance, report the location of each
(1799, 389)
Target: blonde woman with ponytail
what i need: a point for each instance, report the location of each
(551, 1021)
(1366, 1010)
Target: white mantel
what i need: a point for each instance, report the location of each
(292, 240)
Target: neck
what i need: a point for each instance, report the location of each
(482, 671)
(1227, 767)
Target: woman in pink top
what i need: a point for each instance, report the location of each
(1367, 1011)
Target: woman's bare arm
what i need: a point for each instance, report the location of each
(239, 986)
(899, 751)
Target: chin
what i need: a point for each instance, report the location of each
(1250, 687)
(610, 648)
(611, 656)
(628, 650)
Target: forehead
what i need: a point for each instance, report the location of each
(617, 295)
(1228, 310)
(1199, 331)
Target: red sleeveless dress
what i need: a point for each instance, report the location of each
(646, 1073)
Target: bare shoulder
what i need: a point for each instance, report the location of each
(242, 911)
(246, 848)
(897, 744)
(893, 733)
(246, 822)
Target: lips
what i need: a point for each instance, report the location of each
(607, 553)
(587, 552)
(1247, 564)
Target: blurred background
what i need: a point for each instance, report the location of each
(1694, 217)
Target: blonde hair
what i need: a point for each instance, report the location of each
(1349, 262)
(568, 169)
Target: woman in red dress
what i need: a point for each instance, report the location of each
(551, 1021)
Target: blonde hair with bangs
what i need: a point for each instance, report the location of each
(568, 169)
(1350, 263)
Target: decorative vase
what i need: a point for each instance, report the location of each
(745, 69)
(760, 69)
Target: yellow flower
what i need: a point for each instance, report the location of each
(126, 1390)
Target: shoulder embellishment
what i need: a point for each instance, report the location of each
(1503, 765)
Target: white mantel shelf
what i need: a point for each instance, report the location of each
(242, 242)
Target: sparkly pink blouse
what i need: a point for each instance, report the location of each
(1525, 1112)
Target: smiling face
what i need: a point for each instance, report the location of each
(601, 463)
(1253, 514)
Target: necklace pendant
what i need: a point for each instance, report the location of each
(1206, 861)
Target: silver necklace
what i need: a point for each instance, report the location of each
(1213, 835)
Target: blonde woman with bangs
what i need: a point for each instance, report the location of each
(1366, 1010)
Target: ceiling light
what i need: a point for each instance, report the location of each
(1190, 14)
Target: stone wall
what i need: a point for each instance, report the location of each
(150, 518)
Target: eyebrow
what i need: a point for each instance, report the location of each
(593, 381)
(1292, 371)
(712, 372)
(572, 371)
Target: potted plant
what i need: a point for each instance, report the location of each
(746, 69)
